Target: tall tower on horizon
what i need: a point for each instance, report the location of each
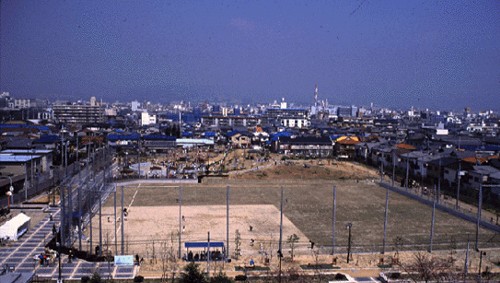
(316, 95)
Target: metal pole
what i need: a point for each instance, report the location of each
(79, 192)
(116, 230)
(479, 208)
(393, 167)
(208, 255)
(123, 227)
(139, 161)
(466, 264)
(386, 212)
(349, 226)
(458, 184)
(334, 217)
(227, 222)
(480, 263)
(180, 224)
(439, 183)
(100, 224)
(280, 251)
(59, 277)
(432, 225)
(70, 214)
(90, 226)
(381, 172)
(63, 215)
(407, 171)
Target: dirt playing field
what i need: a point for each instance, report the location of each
(153, 213)
(162, 225)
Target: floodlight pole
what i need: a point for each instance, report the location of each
(407, 171)
(79, 192)
(432, 225)
(123, 228)
(116, 236)
(458, 184)
(180, 221)
(466, 264)
(280, 251)
(100, 223)
(334, 217)
(386, 212)
(227, 222)
(393, 167)
(349, 227)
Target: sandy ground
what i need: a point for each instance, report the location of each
(145, 224)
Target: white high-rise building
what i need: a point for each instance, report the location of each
(135, 105)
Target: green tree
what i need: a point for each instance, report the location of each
(96, 278)
(192, 274)
(221, 277)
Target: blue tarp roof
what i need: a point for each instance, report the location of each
(203, 244)
(123, 137)
(23, 126)
(48, 139)
(157, 137)
(209, 134)
(276, 136)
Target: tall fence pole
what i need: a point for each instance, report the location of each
(227, 222)
(386, 212)
(334, 217)
(123, 227)
(180, 222)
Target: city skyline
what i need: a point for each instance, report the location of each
(392, 53)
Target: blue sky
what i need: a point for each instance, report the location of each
(427, 54)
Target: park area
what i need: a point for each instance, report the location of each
(152, 222)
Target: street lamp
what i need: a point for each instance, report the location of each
(10, 193)
(349, 227)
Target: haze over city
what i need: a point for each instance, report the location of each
(427, 54)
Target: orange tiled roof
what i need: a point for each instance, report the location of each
(405, 146)
(480, 160)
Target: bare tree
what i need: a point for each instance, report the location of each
(398, 244)
(237, 244)
(426, 268)
(292, 240)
